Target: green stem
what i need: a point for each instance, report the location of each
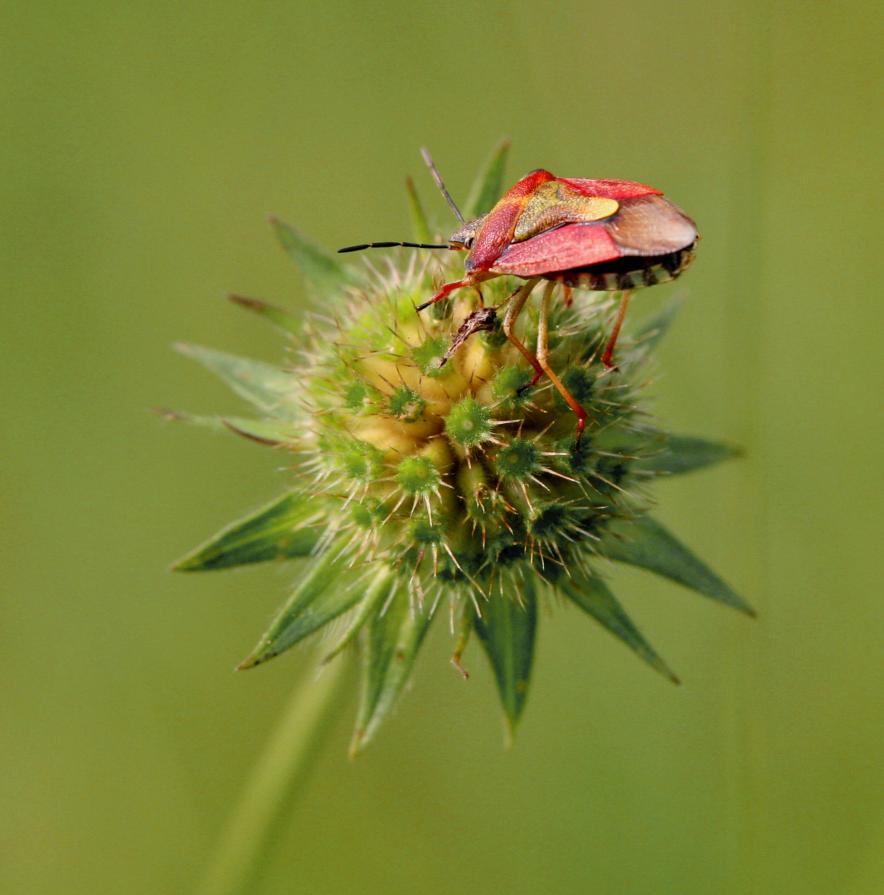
(276, 780)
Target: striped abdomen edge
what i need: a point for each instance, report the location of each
(628, 272)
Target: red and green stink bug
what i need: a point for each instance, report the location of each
(599, 235)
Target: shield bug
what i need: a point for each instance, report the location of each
(598, 235)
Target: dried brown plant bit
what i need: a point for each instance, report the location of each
(480, 319)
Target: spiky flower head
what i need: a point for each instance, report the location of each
(425, 486)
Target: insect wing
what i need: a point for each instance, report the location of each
(562, 248)
(651, 225)
(555, 203)
(610, 189)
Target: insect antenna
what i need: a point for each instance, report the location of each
(390, 245)
(441, 184)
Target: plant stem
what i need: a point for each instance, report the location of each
(253, 828)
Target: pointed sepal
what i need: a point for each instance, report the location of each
(507, 630)
(488, 185)
(266, 387)
(273, 432)
(375, 597)
(679, 454)
(645, 543)
(395, 635)
(320, 268)
(594, 597)
(325, 592)
(279, 317)
(285, 528)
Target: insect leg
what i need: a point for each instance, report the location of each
(612, 341)
(444, 292)
(569, 295)
(543, 360)
(517, 302)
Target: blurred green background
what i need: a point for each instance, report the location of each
(144, 145)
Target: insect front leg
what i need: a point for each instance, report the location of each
(543, 360)
(517, 302)
(444, 292)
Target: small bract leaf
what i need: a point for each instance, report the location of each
(320, 268)
(265, 386)
(488, 185)
(267, 431)
(327, 590)
(275, 433)
(647, 544)
(374, 598)
(277, 316)
(507, 631)
(420, 228)
(215, 423)
(685, 453)
(283, 529)
(592, 595)
(395, 635)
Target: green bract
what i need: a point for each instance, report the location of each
(423, 490)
